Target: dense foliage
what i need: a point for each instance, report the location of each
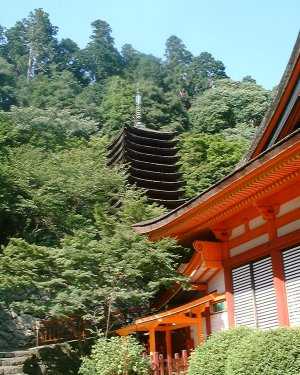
(211, 358)
(117, 355)
(65, 217)
(273, 352)
(244, 351)
(207, 158)
(76, 252)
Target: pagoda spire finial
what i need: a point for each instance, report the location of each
(138, 108)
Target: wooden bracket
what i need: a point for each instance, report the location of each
(268, 212)
(211, 253)
(222, 234)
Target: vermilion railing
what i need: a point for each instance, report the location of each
(170, 366)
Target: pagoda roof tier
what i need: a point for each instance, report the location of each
(152, 158)
(156, 167)
(116, 140)
(153, 184)
(164, 194)
(169, 203)
(146, 166)
(143, 144)
(157, 176)
(150, 133)
(117, 157)
(164, 151)
(152, 141)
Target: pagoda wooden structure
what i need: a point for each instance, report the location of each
(153, 163)
(245, 232)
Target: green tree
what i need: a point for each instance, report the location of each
(117, 355)
(141, 67)
(42, 42)
(203, 71)
(162, 110)
(117, 108)
(207, 158)
(68, 57)
(48, 129)
(16, 47)
(178, 59)
(57, 91)
(89, 260)
(7, 85)
(249, 79)
(3, 42)
(88, 101)
(176, 52)
(100, 58)
(227, 104)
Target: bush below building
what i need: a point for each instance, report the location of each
(244, 351)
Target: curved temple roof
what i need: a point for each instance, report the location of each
(227, 195)
(277, 138)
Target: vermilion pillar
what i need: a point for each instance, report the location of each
(229, 297)
(169, 351)
(152, 344)
(279, 286)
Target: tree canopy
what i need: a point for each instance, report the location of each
(67, 243)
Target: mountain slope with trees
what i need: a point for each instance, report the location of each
(67, 243)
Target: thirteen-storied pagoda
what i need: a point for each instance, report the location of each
(152, 161)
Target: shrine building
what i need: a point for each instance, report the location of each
(245, 232)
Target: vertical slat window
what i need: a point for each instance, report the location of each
(291, 262)
(254, 295)
(244, 309)
(265, 297)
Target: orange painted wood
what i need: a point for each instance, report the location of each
(201, 287)
(152, 343)
(210, 252)
(278, 244)
(279, 109)
(206, 315)
(161, 364)
(269, 174)
(154, 357)
(279, 285)
(169, 351)
(266, 228)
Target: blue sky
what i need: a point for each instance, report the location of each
(250, 36)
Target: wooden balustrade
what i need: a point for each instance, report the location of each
(53, 331)
(172, 366)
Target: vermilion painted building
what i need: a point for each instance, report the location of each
(245, 231)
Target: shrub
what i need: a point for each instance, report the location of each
(273, 352)
(116, 356)
(210, 359)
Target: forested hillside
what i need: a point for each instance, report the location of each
(67, 247)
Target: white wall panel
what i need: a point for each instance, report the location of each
(289, 206)
(288, 228)
(291, 261)
(260, 240)
(217, 283)
(219, 321)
